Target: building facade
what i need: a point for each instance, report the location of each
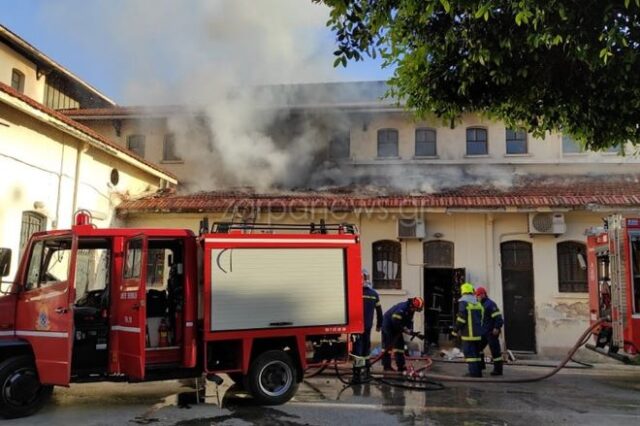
(51, 165)
(436, 204)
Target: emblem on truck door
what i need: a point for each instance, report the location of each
(42, 320)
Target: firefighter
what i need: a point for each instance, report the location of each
(371, 301)
(395, 322)
(469, 328)
(491, 327)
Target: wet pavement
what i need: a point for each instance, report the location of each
(598, 396)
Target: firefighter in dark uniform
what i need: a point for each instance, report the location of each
(395, 322)
(371, 300)
(491, 328)
(469, 328)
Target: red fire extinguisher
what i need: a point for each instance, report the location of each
(163, 334)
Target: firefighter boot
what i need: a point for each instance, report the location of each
(497, 368)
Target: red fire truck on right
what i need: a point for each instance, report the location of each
(614, 287)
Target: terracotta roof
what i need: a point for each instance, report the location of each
(556, 192)
(80, 127)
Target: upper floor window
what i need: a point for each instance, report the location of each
(426, 143)
(477, 141)
(386, 264)
(340, 146)
(17, 80)
(516, 142)
(572, 267)
(570, 145)
(169, 148)
(136, 144)
(387, 143)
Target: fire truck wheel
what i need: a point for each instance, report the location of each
(272, 378)
(21, 393)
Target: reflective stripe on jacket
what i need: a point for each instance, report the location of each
(492, 315)
(397, 318)
(372, 304)
(469, 319)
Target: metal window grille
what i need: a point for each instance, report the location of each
(516, 256)
(477, 141)
(572, 278)
(426, 143)
(32, 222)
(516, 142)
(438, 254)
(387, 143)
(387, 265)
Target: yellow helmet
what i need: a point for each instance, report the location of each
(467, 288)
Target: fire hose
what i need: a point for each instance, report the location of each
(420, 376)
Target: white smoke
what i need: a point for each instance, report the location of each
(221, 59)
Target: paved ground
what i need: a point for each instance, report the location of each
(596, 396)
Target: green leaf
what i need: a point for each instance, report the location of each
(446, 5)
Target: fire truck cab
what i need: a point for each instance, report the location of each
(91, 304)
(614, 286)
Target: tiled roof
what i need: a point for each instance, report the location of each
(80, 127)
(556, 192)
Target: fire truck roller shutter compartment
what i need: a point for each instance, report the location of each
(258, 288)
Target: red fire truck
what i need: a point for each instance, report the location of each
(614, 286)
(91, 304)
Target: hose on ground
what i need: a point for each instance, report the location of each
(579, 343)
(420, 375)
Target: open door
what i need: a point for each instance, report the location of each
(44, 316)
(131, 310)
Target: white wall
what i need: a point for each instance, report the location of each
(38, 165)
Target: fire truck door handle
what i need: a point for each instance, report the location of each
(61, 310)
(280, 324)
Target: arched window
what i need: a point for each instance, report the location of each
(438, 254)
(386, 264)
(387, 143)
(572, 267)
(426, 143)
(477, 141)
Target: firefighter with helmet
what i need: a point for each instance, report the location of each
(468, 327)
(491, 327)
(395, 322)
(371, 301)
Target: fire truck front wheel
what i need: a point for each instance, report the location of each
(272, 378)
(21, 393)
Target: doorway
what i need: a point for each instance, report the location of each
(441, 293)
(517, 291)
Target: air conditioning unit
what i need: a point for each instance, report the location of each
(411, 229)
(547, 224)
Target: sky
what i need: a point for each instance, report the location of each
(135, 50)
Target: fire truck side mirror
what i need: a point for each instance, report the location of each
(5, 261)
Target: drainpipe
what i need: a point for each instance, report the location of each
(489, 248)
(82, 148)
